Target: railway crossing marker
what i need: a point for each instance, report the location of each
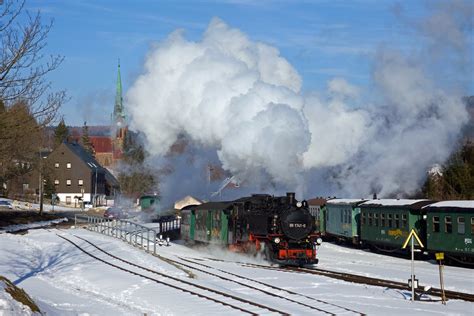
(440, 258)
(411, 238)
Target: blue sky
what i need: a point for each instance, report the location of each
(322, 39)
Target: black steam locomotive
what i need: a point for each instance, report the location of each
(280, 228)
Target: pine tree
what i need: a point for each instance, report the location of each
(85, 140)
(61, 133)
(138, 179)
(457, 179)
(49, 187)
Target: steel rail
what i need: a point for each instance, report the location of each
(158, 281)
(267, 285)
(354, 278)
(184, 281)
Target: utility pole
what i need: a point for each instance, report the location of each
(412, 269)
(95, 188)
(40, 184)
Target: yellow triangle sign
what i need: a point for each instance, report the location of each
(417, 239)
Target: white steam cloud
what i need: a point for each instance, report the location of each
(240, 99)
(228, 93)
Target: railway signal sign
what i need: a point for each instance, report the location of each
(439, 255)
(410, 236)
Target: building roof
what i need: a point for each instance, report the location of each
(465, 204)
(111, 180)
(101, 144)
(210, 206)
(187, 200)
(404, 203)
(79, 151)
(345, 201)
(91, 163)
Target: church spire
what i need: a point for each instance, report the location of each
(118, 108)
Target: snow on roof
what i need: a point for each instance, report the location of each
(458, 204)
(345, 201)
(187, 200)
(392, 202)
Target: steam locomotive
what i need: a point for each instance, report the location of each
(281, 228)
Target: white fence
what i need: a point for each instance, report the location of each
(138, 235)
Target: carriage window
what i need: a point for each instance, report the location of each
(404, 221)
(461, 225)
(342, 216)
(376, 219)
(397, 221)
(362, 215)
(389, 217)
(348, 216)
(382, 220)
(370, 219)
(436, 224)
(448, 225)
(472, 225)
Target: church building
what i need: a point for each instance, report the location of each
(108, 148)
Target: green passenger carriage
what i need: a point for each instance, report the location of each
(317, 208)
(450, 229)
(342, 219)
(386, 223)
(207, 223)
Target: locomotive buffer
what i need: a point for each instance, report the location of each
(411, 238)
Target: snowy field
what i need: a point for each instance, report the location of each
(65, 281)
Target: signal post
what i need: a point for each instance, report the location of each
(440, 258)
(411, 238)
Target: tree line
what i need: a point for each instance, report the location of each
(455, 179)
(27, 102)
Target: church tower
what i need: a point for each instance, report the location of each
(119, 121)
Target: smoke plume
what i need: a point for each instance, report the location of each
(239, 103)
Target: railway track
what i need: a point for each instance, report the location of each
(354, 278)
(237, 303)
(334, 308)
(327, 309)
(385, 283)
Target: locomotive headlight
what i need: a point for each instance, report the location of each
(276, 240)
(319, 241)
(299, 204)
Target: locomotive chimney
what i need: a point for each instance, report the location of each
(375, 196)
(291, 197)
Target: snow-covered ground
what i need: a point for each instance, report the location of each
(64, 281)
(27, 206)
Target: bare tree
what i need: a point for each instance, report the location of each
(27, 103)
(23, 66)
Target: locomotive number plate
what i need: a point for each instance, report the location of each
(297, 225)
